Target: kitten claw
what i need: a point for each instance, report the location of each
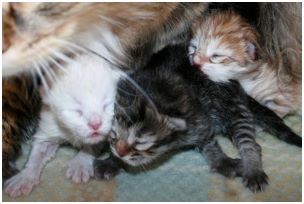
(256, 182)
(21, 184)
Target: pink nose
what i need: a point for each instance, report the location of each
(122, 148)
(200, 60)
(95, 124)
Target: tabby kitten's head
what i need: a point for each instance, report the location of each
(223, 45)
(139, 134)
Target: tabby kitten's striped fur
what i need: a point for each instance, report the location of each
(21, 105)
(185, 109)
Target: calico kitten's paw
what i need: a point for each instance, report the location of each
(228, 167)
(21, 184)
(80, 169)
(106, 169)
(256, 182)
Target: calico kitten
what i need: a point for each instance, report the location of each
(182, 108)
(78, 109)
(20, 98)
(226, 47)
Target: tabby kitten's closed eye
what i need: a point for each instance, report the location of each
(226, 47)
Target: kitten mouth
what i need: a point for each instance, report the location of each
(95, 135)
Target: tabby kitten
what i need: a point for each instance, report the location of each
(182, 108)
(21, 104)
(226, 47)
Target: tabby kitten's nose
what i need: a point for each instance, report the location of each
(122, 148)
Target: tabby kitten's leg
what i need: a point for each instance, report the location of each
(220, 162)
(242, 131)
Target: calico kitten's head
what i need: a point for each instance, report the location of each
(83, 99)
(223, 45)
(139, 134)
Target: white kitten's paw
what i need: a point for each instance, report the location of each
(80, 169)
(21, 184)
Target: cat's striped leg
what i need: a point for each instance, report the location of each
(242, 131)
(219, 161)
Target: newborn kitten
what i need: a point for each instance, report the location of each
(183, 108)
(78, 109)
(226, 47)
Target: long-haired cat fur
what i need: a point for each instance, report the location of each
(21, 104)
(225, 46)
(183, 108)
(39, 32)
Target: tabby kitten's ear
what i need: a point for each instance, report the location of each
(176, 124)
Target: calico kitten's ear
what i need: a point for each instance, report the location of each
(176, 124)
(251, 50)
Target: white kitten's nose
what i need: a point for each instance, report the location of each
(95, 123)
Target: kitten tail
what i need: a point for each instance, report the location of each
(273, 124)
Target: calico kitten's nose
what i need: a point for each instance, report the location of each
(200, 60)
(94, 123)
(122, 148)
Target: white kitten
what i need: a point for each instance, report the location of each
(78, 109)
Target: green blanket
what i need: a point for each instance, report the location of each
(185, 177)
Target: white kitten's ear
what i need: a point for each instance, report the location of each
(251, 50)
(176, 124)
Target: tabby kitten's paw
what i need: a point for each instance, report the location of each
(228, 167)
(106, 169)
(256, 182)
(21, 184)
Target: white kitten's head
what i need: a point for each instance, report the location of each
(223, 45)
(83, 100)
